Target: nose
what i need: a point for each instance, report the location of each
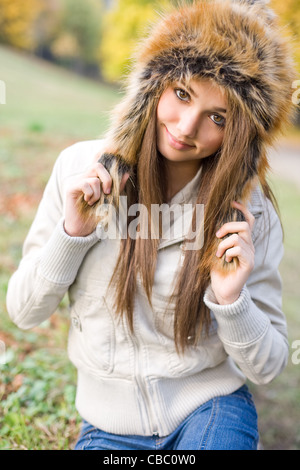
(189, 124)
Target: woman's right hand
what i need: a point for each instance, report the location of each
(89, 185)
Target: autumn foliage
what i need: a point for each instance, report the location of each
(102, 33)
(16, 22)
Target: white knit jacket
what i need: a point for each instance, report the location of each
(137, 383)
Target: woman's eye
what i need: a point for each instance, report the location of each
(182, 94)
(217, 119)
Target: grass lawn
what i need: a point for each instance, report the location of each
(47, 109)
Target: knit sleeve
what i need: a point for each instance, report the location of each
(50, 259)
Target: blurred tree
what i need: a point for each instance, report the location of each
(123, 25)
(78, 32)
(17, 20)
(46, 27)
(289, 16)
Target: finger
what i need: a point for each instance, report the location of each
(234, 246)
(87, 190)
(94, 184)
(229, 242)
(247, 214)
(101, 172)
(241, 228)
(245, 258)
(234, 252)
(90, 188)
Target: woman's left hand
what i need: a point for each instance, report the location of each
(227, 286)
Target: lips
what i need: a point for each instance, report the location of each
(177, 144)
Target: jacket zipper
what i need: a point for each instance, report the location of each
(140, 382)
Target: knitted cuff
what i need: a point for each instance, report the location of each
(63, 255)
(240, 322)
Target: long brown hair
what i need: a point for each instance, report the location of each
(226, 176)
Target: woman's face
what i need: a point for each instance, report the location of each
(190, 121)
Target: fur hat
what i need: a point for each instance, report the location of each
(235, 43)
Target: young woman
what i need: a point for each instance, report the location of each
(165, 332)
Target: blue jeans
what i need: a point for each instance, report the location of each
(223, 423)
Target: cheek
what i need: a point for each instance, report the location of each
(211, 137)
(217, 140)
(165, 109)
(161, 111)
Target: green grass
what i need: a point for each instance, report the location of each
(47, 109)
(43, 98)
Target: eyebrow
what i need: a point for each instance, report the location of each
(215, 108)
(221, 110)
